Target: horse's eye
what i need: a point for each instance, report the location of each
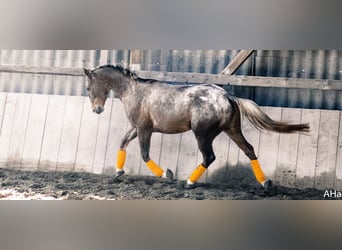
(88, 88)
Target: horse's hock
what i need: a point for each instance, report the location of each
(51, 132)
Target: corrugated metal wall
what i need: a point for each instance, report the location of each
(312, 64)
(302, 64)
(317, 64)
(52, 84)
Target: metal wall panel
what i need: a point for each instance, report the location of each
(57, 58)
(199, 61)
(76, 58)
(27, 57)
(118, 56)
(52, 84)
(312, 64)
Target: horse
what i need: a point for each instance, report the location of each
(153, 106)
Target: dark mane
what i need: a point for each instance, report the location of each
(126, 71)
(120, 68)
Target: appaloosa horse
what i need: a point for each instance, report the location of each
(153, 106)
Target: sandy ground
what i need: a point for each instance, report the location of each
(37, 185)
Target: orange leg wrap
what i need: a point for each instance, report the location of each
(197, 173)
(158, 171)
(120, 162)
(259, 174)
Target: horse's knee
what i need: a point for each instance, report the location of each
(124, 142)
(129, 136)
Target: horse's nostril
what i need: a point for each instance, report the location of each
(99, 110)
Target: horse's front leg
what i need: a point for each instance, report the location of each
(121, 157)
(145, 142)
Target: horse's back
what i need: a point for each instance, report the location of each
(178, 108)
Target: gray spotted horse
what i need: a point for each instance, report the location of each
(153, 106)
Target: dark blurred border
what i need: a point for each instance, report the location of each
(89, 225)
(152, 24)
(177, 24)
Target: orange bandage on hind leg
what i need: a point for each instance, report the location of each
(158, 171)
(197, 173)
(259, 174)
(121, 158)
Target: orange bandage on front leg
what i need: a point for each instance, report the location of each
(259, 174)
(120, 162)
(158, 171)
(197, 173)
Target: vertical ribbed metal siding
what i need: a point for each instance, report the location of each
(118, 56)
(199, 61)
(318, 64)
(314, 64)
(52, 84)
(302, 64)
(57, 58)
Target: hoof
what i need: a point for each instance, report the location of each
(119, 173)
(168, 174)
(189, 186)
(268, 184)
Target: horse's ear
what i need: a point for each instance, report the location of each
(87, 72)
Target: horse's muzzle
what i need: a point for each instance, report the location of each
(98, 110)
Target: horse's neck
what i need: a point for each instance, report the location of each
(132, 97)
(120, 85)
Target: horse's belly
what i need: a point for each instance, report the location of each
(170, 125)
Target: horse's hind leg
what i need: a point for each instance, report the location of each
(145, 141)
(208, 158)
(205, 145)
(237, 136)
(121, 157)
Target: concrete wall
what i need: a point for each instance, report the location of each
(60, 133)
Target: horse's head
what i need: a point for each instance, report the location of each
(98, 90)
